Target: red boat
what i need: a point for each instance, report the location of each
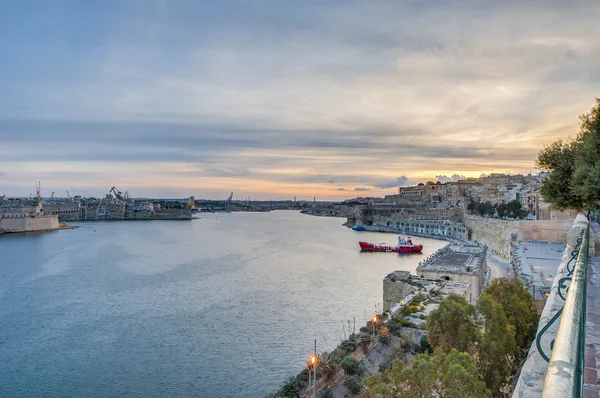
(404, 246)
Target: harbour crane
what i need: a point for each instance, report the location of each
(228, 207)
(118, 194)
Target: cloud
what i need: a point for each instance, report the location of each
(362, 189)
(341, 189)
(1, 174)
(299, 94)
(445, 178)
(398, 182)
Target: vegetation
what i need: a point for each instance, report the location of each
(496, 344)
(442, 374)
(348, 346)
(512, 209)
(452, 325)
(520, 311)
(574, 167)
(497, 332)
(354, 384)
(290, 388)
(326, 394)
(352, 366)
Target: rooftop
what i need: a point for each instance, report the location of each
(455, 258)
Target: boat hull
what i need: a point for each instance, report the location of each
(369, 247)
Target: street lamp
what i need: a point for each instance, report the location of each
(374, 320)
(313, 362)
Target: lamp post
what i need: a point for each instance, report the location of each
(313, 360)
(309, 376)
(374, 320)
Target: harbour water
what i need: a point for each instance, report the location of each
(224, 306)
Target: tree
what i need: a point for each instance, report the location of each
(439, 375)
(574, 167)
(515, 210)
(354, 384)
(496, 345)
(520, 311)
(452, 325)
(352, 366)
(501, 209)
(586, 177)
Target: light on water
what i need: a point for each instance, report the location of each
(225, 306)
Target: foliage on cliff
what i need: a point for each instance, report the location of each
(574, 166)
(452, 325)
(451, 374)
(497, 332)
(520, 311)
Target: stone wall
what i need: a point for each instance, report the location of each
(497, 234)
(394, 291)
(28, 224)
(533, 373)
(545, 230)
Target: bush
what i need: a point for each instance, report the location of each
(394, 325)
(326, 394)
(290, 388)
(354, 384)
(352, 366)
(348, 345)
(424, 346)
(418, 299)
(411, 309)
(407, 324)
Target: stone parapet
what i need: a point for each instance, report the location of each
(533, 373)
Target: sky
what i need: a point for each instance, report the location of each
(276, 99)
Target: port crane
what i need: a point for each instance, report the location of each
(228, 205)
(118, 194)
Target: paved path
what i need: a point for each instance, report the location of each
(498, 268)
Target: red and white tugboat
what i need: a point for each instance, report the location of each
(404, 246)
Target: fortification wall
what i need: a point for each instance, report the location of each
(497, 234)
(29, 224)
(394, 292)
(545, 230)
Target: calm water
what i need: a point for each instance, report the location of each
(225, 306)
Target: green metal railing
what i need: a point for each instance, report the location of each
(564, 377)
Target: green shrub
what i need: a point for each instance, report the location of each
(348, 345)
(408, 324)
(418, 299)
(354, 384)
(290, 388)
(424, 346)
(352, 366)
(411, 309)
(326, 394)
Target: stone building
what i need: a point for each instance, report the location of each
(457, 262)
